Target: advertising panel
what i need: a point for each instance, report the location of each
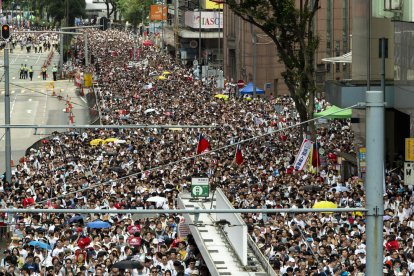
(209, 20)
(213, 5)
(157, 12)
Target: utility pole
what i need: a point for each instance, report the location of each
(7, 112)
(85, 38)
(254, 58)
(375, 180)
(176, 37)
(61, 51)
(199, 35)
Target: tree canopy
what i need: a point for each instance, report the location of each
(134, 11)
(57, 10)
(290, 24)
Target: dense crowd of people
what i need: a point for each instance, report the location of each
(131, 165)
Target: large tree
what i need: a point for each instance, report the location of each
(290, 24)
(111, 8)
(134, 11)
(59, 9)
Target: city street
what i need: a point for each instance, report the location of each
(31, 102)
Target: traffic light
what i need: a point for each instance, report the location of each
(104, 22)
(5, 31)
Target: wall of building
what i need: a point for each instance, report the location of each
(333, 26)
(380, 27)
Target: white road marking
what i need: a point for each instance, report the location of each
(29, 111)
(29, 100)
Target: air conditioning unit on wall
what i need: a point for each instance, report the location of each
(393, 5)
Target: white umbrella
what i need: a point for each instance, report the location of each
(339, 189)
(159, 200)
(120, 142)
(148, 86)
(149, 110)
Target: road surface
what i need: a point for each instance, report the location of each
(31, 102)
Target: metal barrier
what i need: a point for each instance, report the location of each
(260, 257)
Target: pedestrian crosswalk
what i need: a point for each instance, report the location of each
(23, 91)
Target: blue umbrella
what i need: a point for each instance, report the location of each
(75, 219)
(248, 89)
(40, 244)
(98, 224)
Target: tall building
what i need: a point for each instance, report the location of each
(372, 20)
(193, 32)
(332, 23)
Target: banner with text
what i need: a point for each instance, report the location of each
(303, 154)
(209, 20)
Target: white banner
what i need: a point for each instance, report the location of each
(209, 19)
(303, 154)
(409, 173)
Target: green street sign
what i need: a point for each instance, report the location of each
(200, 187)
(200, 190)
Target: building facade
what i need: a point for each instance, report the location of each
(193, 33)
(332, 23)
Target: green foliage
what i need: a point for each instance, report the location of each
(57, 10)
(290, 24)
(134, 11)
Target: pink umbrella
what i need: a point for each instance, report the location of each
(148, 43)
(135, 241)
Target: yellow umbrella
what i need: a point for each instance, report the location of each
(359, 214)
(108, 140)
(161, 77)
(95, 142)
(324, 205)
(175, 129)
(248, 99)
(166, 73)
(221, 96)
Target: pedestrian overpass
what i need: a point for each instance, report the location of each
(222, 239)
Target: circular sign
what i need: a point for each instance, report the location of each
(321, 151)
(193, 44)
(195, 62)
(197, 190)
(240, 84)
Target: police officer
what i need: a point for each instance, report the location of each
(26, 72)
(31, 73)
(21, 72)
(44, 70)
(54, 71)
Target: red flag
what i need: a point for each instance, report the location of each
(239, 156)
(203, 144)
(28, 201)
(316, 159)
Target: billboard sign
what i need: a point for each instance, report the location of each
(158, 12)
(209, 20)
(213, 5)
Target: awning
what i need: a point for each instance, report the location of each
(195, 34)
(334, 112)
(346, 58)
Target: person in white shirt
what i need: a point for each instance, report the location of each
(58, 248)
(191, 267)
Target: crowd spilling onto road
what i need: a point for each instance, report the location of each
(129, 167)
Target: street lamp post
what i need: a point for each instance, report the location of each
(162, 27)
